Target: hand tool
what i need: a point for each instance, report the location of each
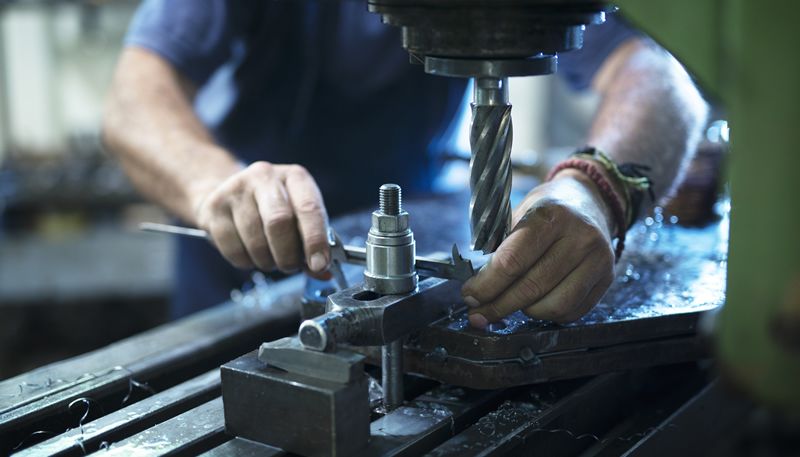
(458, 268)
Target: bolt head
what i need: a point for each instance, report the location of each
(389, 224)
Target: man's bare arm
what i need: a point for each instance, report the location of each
(651, 113)
(263, 215)
(558, 262)
(150, 125)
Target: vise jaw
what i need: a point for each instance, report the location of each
(305, 402)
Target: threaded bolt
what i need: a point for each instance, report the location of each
(390, 199)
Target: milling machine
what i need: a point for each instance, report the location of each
(312, 394)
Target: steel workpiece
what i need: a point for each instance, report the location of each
(390, 248)
(299, 413)
(364, 318)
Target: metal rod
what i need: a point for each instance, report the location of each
(458, 268)
(173, 229)
(392, 374)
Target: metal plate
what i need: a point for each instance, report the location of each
(667, 278)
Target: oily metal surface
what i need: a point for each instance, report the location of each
(500, 374)
(197, 430)
(666, 278)
(95, 435)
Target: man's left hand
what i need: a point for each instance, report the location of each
(557, 262)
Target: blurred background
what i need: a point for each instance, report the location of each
(72, 275)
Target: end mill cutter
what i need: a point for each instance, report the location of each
(490, 139)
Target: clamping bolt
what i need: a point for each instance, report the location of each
(390, 247)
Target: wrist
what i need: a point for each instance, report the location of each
(600, 201)
(595, 171)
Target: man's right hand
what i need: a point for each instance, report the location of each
(268, 216)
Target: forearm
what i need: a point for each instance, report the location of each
(150, 125)
(651, 113)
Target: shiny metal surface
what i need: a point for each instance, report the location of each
(364, 318)
(390, 247)
(155, 227)
(392, 374)
(497, 68)
(302, 414)
(490, 138)
(95, 435)
(288, 354)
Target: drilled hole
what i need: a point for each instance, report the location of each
(366, 295)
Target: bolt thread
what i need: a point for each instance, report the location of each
(390, 199)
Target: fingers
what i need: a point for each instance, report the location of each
(568, 301)
(573, 297)
(267, 216)
(312, 220)
(550, 270)
(248, 224)
(516, 255)
(280, 226)
(226, 237)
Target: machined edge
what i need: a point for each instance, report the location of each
(495, 68)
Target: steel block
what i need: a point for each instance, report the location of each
(297, 413)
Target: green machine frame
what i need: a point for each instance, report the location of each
(746, 54)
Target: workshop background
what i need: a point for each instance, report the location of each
(73, 267)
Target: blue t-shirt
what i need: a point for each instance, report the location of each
(321, 83)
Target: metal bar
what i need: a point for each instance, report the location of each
(709, 418)
(190, 433)
(131, 419)
(173, 230)
(430, 419)
(534, 423)
(668, 388)
(541, 338)
(497, 374)
(162, 357)
(36, 419)
(392, 375)
(365, 318)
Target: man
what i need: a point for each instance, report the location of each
(238, 117)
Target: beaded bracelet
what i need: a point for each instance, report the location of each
(629, 177)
